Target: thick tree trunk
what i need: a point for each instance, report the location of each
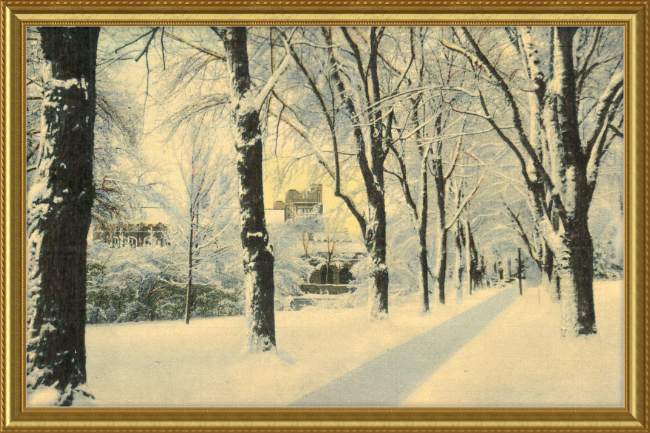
(376, 246)
(460, 277)
(575, 255)
(59, 217)
(257, 253)
(372, 170)
(575, 273)
(519, 271)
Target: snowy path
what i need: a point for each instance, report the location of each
(389, 379)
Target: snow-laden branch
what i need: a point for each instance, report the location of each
(195, 46)
(523, 235)
(459, 146)
(606, 102)
(311, 142)
(480, 59)
(403, 180)
(259, 99)
(603, 142)
(376, 105)
(464, 203)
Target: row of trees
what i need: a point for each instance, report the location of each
(498, 117)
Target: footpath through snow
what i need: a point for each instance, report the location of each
(169, 363)
(487, 356)
(390, 378)
(520, 360)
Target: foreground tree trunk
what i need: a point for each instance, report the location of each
(575, 254)
(257, 253)
(376, 246)
(59, 217)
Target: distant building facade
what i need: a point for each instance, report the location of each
(298, 204)
(131, 235)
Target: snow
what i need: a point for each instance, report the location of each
(169, 363)
(43, 396)
(520, 360)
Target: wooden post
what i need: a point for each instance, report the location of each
(519, 268)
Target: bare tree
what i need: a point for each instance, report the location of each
(247, 131)
(561, 148)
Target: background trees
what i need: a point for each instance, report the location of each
(561, 146)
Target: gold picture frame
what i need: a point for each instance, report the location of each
(17, 14)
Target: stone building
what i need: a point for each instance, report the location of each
(133, 235)
(299, 204)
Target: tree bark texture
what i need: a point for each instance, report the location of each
(376, 245)
(59, 215)
(574, 254)
(257, 253)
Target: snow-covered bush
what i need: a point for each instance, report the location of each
(137, 284)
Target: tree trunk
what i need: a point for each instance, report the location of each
(441, 265)
(519, 270)
(575, 255)
(376, 246)
(460, 276)
(575, 273)
(60, 205)
(257, 253)
(422, 232)
(468, 257)
(188, 297)
(439, 178)
(549, 274)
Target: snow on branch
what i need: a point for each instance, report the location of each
(464, 203)
(607, 101)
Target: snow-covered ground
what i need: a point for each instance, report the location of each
(173, 364)
(520, 359)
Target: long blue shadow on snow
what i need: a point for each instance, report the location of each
(390, 378)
